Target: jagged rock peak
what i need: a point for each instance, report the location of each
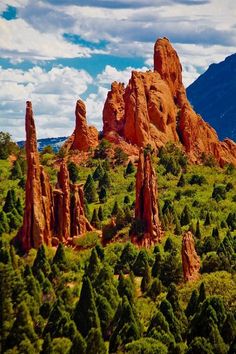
(146, 207)
(190, 259)
(114, 109)
(38, 216)
(84, 137)
(167, 64)
(154, 109)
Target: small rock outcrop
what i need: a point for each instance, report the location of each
(146, 207)
(154, 109)
(84, 137)
(190, 259)
(38, 213)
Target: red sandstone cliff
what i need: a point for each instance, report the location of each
(190, 259)
(146, 208)
(38, 213)
(154, 109)
(84, 136)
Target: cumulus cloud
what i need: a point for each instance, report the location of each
(19, 40)
(53, 94)
(111, 74)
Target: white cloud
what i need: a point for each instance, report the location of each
(19, 40)
(94, 104)
(52, 93)
(111, 74)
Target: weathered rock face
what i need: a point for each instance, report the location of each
(84, 136)
(62, 204)
(150, 112)
(190, 259)
(146, 208)
(79, 222)
(38, 215)
(69, 214)
(49, 217)
(114, 109)
(167, 64)
(154, 109)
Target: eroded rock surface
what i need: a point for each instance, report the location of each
(146, 207)
(154, 109)
(84, 137)
(190, 259)
(38, 213)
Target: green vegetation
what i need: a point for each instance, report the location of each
(119, 298)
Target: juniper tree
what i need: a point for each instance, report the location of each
(85, 314)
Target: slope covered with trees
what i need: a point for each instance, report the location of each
(104, 294)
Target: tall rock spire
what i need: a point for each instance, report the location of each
(62, 204)
(146, 207)
(167, 64)
(190, 259)
(38, 216)
(84, 137)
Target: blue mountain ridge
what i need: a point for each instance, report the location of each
(55, 143)
(213, 96)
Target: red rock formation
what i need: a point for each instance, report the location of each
(154, 109)
(167, 64)
(84, 137)
(62, 204)
(48, 217)
(150, 112)
(79, 223)
(190, 259)
(38, 216)
(114, 108)
(146, 208)
(69, 214)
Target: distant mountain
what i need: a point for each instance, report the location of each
(55, 143)
(213, 96)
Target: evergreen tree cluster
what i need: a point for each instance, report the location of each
(11, 214)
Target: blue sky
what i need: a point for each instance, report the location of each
(56, 51)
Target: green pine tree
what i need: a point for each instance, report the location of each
(102, 195)
(181, 182)
(95, 222)
(130, 168)
(90, 190)
(16, 172)
(185, 217)
(100, 213)
(78, 345)
(198, 234)
(127, 329)
(73, 171)
(95, 342)
(41, 262)
(146, 280)
(98, 173)
(115, 209)
(60, 257)
(86, 315)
